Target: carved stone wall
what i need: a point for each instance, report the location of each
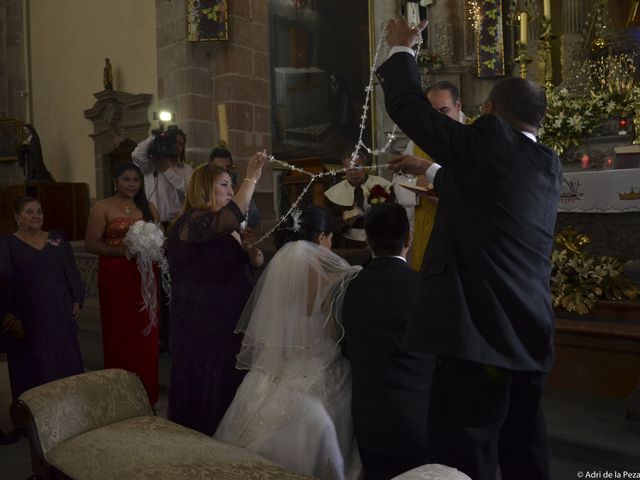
(87, 265)
(443, 40)
(115, 115)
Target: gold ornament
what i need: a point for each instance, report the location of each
(598, 44)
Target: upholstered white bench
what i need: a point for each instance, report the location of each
(433, 471)
(100, 425)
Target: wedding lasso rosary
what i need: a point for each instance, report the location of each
(294, 211)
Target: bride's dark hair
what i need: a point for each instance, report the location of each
(311, 223)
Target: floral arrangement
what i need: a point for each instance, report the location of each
(568, 120)
(378, 194)
(614, 91)
(579, 280)
(430, 62)
(144, 242)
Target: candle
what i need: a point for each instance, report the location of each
(547, 9)
(585, 161)
(223, 128)
(524, 32)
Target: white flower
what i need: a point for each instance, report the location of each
(146, 239)
(136, 228)
(611, 106)
(576, 122)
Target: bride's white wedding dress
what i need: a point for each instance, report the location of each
(294, 405)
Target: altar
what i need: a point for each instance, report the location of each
(605, 204)
(603, 191)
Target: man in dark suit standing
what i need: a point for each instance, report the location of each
(485, 304)
(390, 385)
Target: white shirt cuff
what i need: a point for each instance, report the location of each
(431, 172)
(400, 48)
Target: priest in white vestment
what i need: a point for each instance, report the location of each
(351, 198)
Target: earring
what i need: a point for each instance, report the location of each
(115, 189)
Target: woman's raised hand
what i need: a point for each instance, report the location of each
(254, 172)
(254, 167)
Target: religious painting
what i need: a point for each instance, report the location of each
(207, 20)
(10, 139)
(320, 60)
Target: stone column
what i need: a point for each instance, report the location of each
(195, 77)
(184, 79)
(572, 43)
(241, 77)
(13, 85)
(441, 29)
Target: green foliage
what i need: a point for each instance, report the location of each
(579, 280)
(613, 92)
(430, 62)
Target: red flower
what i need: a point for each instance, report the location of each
(378, 194)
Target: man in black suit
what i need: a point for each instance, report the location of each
(390, 385)
(485, 305)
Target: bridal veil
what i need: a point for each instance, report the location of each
(291, 321)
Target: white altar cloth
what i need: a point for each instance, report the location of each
(603, 191)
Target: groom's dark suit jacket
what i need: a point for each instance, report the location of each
(391, 387)
(484, 292)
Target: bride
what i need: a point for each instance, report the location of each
(294, 405)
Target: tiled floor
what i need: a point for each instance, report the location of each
(572, 419)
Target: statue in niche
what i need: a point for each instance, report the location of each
(107, 75)
(30, 157)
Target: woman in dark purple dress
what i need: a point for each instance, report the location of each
(45, 296)
(210, 285)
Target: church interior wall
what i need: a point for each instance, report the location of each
(69, 41)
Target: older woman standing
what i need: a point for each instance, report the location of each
(45, 294)
(209, 287)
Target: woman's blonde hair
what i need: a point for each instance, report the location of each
(200, 192)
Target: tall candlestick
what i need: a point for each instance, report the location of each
(547, 9)
(524, 32)
(223, 128)
(546, 39)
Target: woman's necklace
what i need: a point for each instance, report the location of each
(125, 207)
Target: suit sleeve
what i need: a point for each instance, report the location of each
(437, 180)
(445, 140)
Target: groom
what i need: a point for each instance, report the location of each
(485, 304)
(390, 385)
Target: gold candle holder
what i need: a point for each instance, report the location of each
(546, 38)
(522, 58)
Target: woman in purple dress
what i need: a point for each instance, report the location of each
(209, 266)
(45, 295)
